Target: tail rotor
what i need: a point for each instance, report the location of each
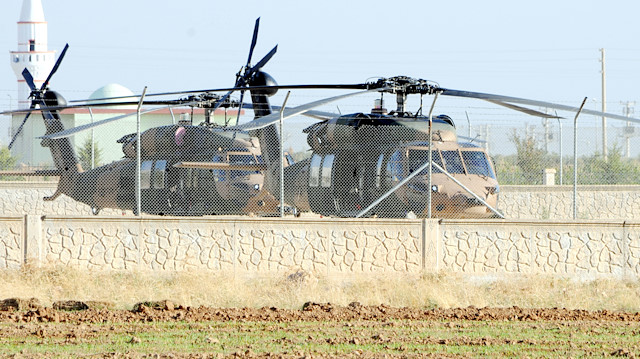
(38, 95)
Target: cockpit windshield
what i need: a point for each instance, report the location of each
(452, 161)
(404, 162)
(477, 163)
(418, 158)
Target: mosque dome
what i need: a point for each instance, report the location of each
(114, 90)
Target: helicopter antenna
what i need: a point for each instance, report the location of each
(338, 107)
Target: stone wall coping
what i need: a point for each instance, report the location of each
(540, 222)
(233, 219)
(347, 221)
(569, 188)
(31, 184)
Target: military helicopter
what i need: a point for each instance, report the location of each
(389, 164)
(172, 181)
(384, 164)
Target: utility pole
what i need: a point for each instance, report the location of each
(628, 130)
(604, 106)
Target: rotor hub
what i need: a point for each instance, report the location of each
(260, 79)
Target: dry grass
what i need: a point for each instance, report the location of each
(290, 291)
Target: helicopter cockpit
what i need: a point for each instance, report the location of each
(466, 160)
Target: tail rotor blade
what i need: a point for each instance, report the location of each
(19, 130)
(29, 79)
(55, 67)
(265, 59)
(253, 41)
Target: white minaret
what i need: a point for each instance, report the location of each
(32, 49)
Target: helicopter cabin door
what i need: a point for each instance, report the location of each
(335, 184)
(153, 186)
(348, 184)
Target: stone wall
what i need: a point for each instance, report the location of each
(12, 243)
(250, 245)
(556, 202)
(25, 197)
(583, 249)
(323, 246)
(516, 202)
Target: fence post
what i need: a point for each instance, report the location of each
(431, 246)
(575, 160)
(32, 240)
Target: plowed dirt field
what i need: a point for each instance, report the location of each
(317, 330)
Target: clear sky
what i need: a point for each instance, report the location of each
(545, 50)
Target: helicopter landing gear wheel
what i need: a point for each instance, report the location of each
(95, 211)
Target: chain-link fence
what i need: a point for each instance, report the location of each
(365, 162)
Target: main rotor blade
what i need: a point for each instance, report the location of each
(265, 59)
(29, 79)
(254, 40)
(265, 121)
(55, 67)
(278, 87)
(318, 115)
(98, 104)
(524, 101)
(78, 129)
(15, 137)
(528, 111)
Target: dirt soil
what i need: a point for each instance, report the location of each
(162, 311)
(28, 315)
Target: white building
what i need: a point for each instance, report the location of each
(32, 52)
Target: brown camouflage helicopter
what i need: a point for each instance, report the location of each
(172, 180)
(385, 164)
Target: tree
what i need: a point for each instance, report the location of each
(84, 154)
(530, 159)
(614, 170)
(7, 161)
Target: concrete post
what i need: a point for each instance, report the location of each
(431, 246)
(549, 176)
(33, 248)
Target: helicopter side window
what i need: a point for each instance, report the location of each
(327, 165)
(477, 163)
(159, 174)
(394, 166)
(314, 171)
(218, 175)
(453, 162)
(417, 158)
(145, 174)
